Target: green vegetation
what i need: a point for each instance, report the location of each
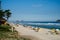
(4, 28)
(6, 34)
(5, 14)
(10, 36)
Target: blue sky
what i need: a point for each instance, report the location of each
(33, 10)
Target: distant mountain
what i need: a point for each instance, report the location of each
(58, 20)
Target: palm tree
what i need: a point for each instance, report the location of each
(7, 14)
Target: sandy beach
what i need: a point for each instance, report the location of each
(30, 19)
(42, 34)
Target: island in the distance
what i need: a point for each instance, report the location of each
(58, 20)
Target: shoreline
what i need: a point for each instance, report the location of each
(42, 34)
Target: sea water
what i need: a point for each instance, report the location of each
(39, 24)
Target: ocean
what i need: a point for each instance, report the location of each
(45, 24)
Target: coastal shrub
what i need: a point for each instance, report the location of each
(11, 36)
(6, 34)
(4, 28)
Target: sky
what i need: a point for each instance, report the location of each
(33, 10)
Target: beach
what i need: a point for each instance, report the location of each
(42, 34)
(30, 19)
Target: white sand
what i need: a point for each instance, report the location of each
(43, 34)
